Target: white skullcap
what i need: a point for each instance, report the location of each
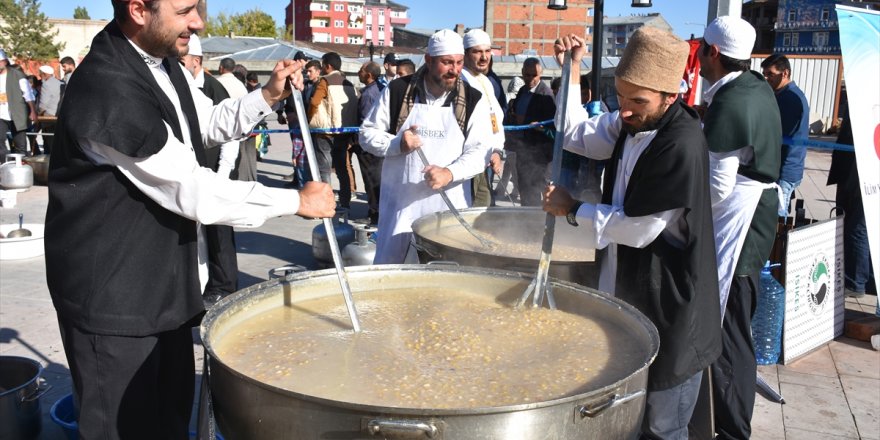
(195, 46)
(476, 37)
(445, 42)
(47, 70)
(734, 37)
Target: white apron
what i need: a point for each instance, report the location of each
(405, 195)
(731, 219)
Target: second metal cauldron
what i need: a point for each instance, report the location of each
(523, 226)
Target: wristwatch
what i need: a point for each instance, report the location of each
(571, 217)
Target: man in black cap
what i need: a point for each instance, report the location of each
(390, 70)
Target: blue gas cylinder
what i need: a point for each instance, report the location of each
(768, 319)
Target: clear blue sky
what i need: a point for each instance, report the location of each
(432, 14)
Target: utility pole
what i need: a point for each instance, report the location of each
(719, 8)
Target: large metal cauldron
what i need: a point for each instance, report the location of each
(249, 409)
(522, 225)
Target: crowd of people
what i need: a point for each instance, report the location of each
(152, 168)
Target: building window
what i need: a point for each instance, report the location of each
(338, 23)
(794, 39)
(820, 39)
(826, 13)
(589, 30)
(370, 12)
(382, 28)
(381, 12)
(339, 7)
(381, 42)
(590, 12)
(369, 27)
(786, 39)
(337, 39)
(792, 14)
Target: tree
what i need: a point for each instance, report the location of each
(81, 13)
(27, 35)
(253, 23)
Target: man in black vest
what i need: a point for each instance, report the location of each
(654, 224)
(222, 254)
(17, 107)
(128, 193)
(435, 109)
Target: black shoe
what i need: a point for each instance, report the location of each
(209, 299)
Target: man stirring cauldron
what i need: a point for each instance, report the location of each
(654, 223)
(128, 193)
(436, 111)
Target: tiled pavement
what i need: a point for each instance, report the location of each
(831, 393)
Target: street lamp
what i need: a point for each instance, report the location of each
(558, 5)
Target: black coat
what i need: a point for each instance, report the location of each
(676, 287)
(532, 145)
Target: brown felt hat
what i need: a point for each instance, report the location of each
(654, 59)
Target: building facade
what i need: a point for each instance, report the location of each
(616, 31)
(529, 27)
(762, 15)
(810, 26)
(345, 21)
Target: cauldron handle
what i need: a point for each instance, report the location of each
(402, 428)
(593, 411)
(42, 389)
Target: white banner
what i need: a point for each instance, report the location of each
(860, 44)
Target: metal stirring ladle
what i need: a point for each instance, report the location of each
(539, 284)
(328, 223)
(483, 241)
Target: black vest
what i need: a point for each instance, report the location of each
(675, 287)
(397, 90)
(117, 263)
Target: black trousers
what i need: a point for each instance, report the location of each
(341, 163)
(371, 172)
(48, 130)
(131, 387)
(19, 139)
(734, 373)
(531, 171)
(222, 260)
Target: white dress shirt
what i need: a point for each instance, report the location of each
(484, 85)
(173, 178)
(608, 225)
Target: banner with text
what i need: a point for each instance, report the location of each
(860, 45)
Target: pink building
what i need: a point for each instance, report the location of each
(345, 21)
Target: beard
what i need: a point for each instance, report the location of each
(160, 42)
(651, 122)
(443, 81)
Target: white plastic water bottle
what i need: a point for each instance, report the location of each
(767, 322)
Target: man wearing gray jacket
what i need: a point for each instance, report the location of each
(49, 101)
